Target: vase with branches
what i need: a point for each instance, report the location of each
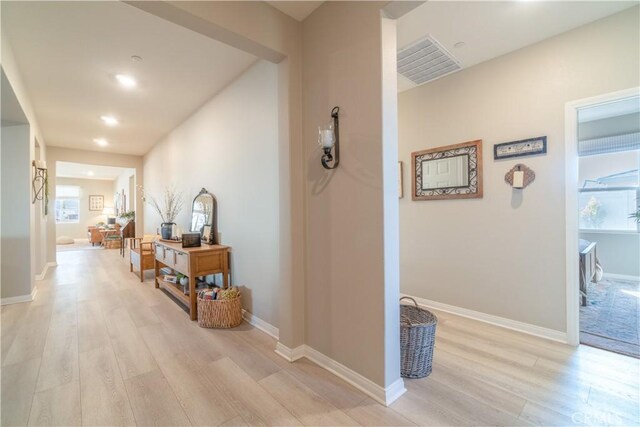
(168, 207)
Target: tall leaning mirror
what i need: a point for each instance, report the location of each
(449, 172)
(204, 216)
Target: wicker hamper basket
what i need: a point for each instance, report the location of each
(220, 314)
(417, 337)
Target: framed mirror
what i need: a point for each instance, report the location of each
(449, 172)
(204, 216)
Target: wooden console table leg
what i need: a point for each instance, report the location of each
(157, 272)
(225, 271)
(193, 309)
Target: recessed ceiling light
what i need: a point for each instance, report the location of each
(126, 81)
(109, 120)
(101, 142)
(136, 58)
(90, 173)
(459, 45)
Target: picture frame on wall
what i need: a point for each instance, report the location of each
(96, 202)
(521, 148)
(206, 233)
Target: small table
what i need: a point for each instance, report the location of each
(192, 262)
(106, 232)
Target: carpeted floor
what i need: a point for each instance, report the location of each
(611, 318)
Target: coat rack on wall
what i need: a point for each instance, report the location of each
(520, 176)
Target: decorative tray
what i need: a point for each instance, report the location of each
(171, 241)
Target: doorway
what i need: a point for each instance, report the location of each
(90, 205)
(606, 146)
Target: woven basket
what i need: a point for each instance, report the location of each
(417, 337)
(220, 314)
(112, 243)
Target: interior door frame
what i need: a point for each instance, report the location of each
(571, 203)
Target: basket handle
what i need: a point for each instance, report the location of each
(409, 298)
(405, 318)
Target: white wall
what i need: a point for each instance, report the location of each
(37, 221)
(230, 147)
(504, 254)
(122, 183)
(16, 234)
(40, 223)
(87, 187)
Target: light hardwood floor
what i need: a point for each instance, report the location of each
(97, 347)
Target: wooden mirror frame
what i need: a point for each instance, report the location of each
(472, 191)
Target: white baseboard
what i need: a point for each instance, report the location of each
(394, 391)
(20, 298)
(290, 355)
(265, 327)
(621, 277)
(42, 275)
(514, 325)
(385, 396)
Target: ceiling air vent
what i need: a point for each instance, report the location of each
(425, 60)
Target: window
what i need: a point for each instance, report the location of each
(610, 192)
(605, 209)
(67, 204)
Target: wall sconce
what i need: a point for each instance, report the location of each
(39, 182)
(328, 139)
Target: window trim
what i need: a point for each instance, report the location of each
(601, 231)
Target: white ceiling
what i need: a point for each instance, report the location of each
(494, 28)
(69, 52)
(298, 10)
(84, 171)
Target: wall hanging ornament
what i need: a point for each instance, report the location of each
(519, 176)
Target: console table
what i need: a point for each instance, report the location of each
(192, 262)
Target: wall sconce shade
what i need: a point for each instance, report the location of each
(329, 139)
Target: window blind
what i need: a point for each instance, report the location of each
(67, 191)
(609, 144)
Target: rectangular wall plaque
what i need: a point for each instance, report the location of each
(96, 203)
(525, 147)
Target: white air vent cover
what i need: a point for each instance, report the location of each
(425, 60)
